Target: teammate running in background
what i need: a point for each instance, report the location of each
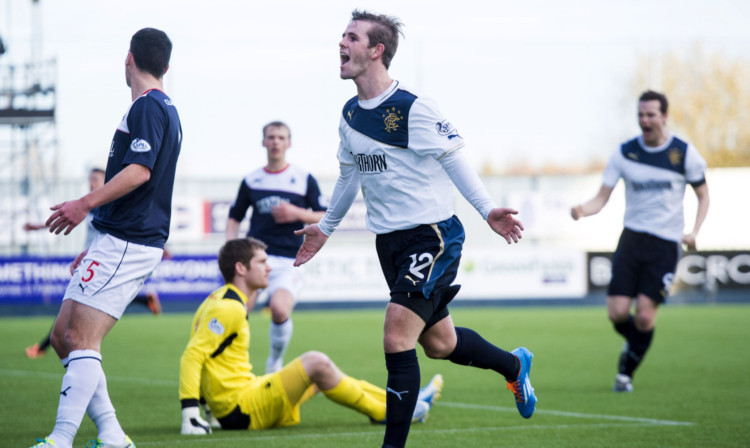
(284, 198)
(655, 166)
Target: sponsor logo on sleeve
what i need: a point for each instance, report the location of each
(446, 129)
(215, 326)
(140, 145)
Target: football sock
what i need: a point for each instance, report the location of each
(84, 371)
(473, 350)
(636, 350)
(102, 412)
(46, 341)
(350, 393)
(401, 395)
(626, 328)
(279, 335)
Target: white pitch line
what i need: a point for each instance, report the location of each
(284, 435)
(479, 407)
(117, 379)
(622, 418)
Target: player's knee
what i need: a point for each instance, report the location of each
(71, 338)
(644, 321)
(441, 352)
(281, 310)
(316, 364)
(393, 343)
(436, 348)
(57, 342)
(617, 315)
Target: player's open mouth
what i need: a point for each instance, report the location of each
(344, 58)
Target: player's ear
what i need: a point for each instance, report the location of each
(377, 51)
(240, 268)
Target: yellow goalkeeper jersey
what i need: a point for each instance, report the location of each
(216, 363)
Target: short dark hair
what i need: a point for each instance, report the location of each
(97, 171)
(385, 30)
(151, 50)
(240, 249)
(277, 124)
(650, 95)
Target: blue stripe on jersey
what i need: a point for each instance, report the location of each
(451, 234)
(387, 123)
(672, 158)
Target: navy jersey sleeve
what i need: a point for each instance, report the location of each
(241, 203)
(313, 196)
(146, 123)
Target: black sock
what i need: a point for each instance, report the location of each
(473, 350)
(626, 328)
(46, 341)
(637, 347)
(401, 395)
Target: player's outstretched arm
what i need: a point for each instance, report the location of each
(314, 241)
(28, 227)
(593, 205)
(701, 192)
(69, 214)
(286, 212)
(503, 223)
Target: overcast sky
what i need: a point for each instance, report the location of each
(540, 81)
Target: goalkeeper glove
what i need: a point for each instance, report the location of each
(192, 423)
(212, 421)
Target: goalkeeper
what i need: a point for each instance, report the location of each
(216, 365)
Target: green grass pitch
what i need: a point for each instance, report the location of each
(693, 389)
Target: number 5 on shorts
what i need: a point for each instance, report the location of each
(90, 272)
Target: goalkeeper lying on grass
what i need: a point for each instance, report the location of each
(216, 364)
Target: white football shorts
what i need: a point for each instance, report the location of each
(284, 275)
(112, 273)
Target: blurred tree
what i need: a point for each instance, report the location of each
(709, 101)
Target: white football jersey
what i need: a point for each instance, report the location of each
(655, 180)
(395, 141)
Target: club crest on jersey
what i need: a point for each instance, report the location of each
(675, 156)
(446, 129)
(140, 145)
(391, 119)
(215, 326)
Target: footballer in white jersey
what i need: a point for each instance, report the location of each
(406, 158)
(655, 167)
(655, 180)
(396, 141)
